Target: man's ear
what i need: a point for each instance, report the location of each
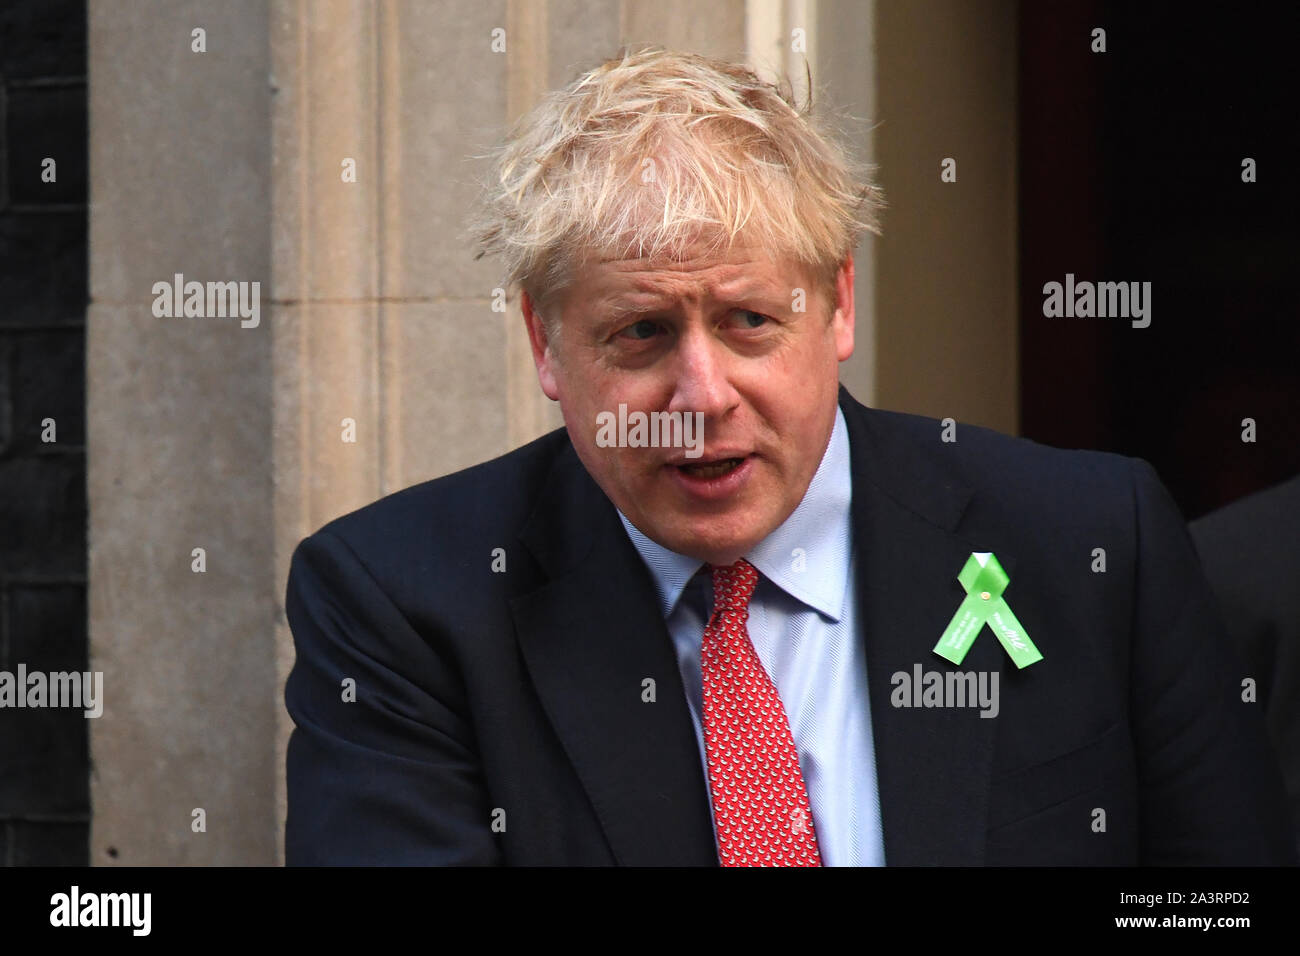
(543, 349)
(842, 317)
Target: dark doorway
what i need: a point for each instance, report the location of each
(1132, 170)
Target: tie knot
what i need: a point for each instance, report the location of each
(733, 586)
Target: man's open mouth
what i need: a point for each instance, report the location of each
(712, 469)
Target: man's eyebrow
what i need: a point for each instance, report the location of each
(621, 308)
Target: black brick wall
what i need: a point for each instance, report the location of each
(44, 757)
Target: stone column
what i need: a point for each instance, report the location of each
(178, 438)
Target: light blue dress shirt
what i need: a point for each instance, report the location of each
(803, 623)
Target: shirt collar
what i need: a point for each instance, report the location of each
(807, 556)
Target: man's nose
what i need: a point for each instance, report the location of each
(702, 376)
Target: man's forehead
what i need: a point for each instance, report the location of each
(726, 276)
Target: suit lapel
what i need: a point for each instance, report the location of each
(590, 637)
(932, 764)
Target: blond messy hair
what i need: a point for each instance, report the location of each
(653, 153)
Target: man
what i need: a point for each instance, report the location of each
(1250, 550)
(623, 645)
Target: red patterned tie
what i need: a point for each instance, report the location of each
(760, 805)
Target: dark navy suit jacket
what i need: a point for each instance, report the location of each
(499, 717)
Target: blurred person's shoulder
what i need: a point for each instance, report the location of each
(1250, 549)
(1245, 525)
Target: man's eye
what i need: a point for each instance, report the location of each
(751, 319)
(641, 330)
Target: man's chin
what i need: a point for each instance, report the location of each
(711, 548)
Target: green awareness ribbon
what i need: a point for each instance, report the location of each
(984, 581)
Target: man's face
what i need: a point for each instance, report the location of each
(720, 336)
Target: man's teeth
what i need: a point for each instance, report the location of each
(712, 469)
